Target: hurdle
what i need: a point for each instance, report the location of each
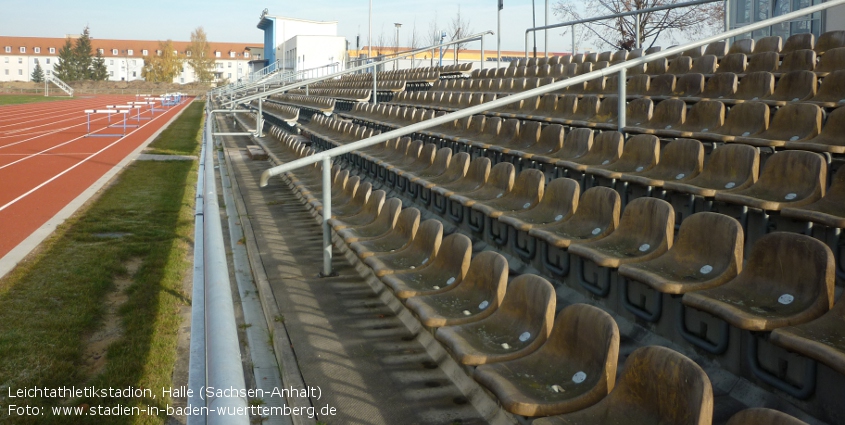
(127, 116)
(154, 99)
(90, 112)
(142, 104)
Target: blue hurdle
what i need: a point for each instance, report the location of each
(90, 112)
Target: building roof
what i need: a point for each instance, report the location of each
(122, 46)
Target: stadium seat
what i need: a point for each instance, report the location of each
(680, 160)
(384, 223)
(499, 183)
(661, 86)
(797, 60)
(832, 61)
(754, 86)
(657, 386)
(744, 119)
(831, 91)
(397, 238)
(793, 122)
(640, 153)
(734, 62)
(479, 293)
(577, 143)
(527, 192)
(763, 62)
(797, 42)
(769, 44)
(419, 252)
(793, 87)
(719, 86)
(366, 215)
(830, 40)
(829, 210)
(573, 370)
(763, 416)
(520, 325)
(744, 46)
(703, 116)
(559, 202)
(668, 114)
(476, 176)
(822, 339)
(606, 149)
(551, 140)
(447, 267)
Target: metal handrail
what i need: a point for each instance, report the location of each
(298, 84)
(619, 68)
(611, 16)
(268, 79)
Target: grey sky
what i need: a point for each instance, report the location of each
(235, 21)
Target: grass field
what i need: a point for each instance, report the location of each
(14, 99)
(99, 305)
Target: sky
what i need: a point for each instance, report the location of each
(236, 20)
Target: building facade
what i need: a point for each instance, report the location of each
(745, 12)
(124, 59)
(299, 44)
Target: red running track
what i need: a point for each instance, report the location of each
(46, 160)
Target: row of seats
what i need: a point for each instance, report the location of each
(394, 86)
(349, 95)
(542, 351)
(321, 104)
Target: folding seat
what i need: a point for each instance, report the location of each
(520, 325)
(792, 123)
(476, 176)
(832, 61)
(827, 211)
(384, 223)
(661, 85)
(768, 44)
(645, 232)
(787, 280)
(753, 86)
(798, 60)
(798, 42)
(743, 120)
(354, 205)
(526, 193)
(693, 52)
(458, 168)
(831, 139)
(584, 343)
(830, 40)
(680, 65)
(788, 179)
(439, 274)
(707, 253)
(550, 141)
(618, 56)
(668, 114)
(687, 85)
(703, 116)
(365, 216)
(638, 86)
(734, 62)
(498, 184)
(763, 416)
(528, 135)
(606, 149)
(577, 143)
(704, 65)
(401, 235)
(657, 385)
(680, 160)
(577, 58)
(745, 46)
(479, 293)
(422, 249)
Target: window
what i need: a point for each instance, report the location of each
(52, 50)
(6, 60)
(230, 75)
(231, 54)
(47, 61)
(20, 60)
(130, 52)
(175, 53)
(20, 72)
(49, 71)
(134, 73)
(111, 61)
(230, 64)
(219, 65)
(246, 54)
(188, 53)
(8, 49)
(23, 49)
(7, 71)
(181, 80)
(101, 51)
(114, 52)
(216, 54)
(111, 73)
(37, 50)
(145, 52)
(134, 62)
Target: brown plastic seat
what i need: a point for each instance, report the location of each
(577, 143)
(479, 293)
(794, 122)
(822, 339)
(528, 135)
(438, 167)
(680, 160)
(734, 62)
(397, 238)
(707, 253)
(798, 60)
(743, 120)
(657, 66)
(830, 40)
(551, 140)
(704, 116)
(608, 114)
(384, 223)
(832, 61)
(367, 215)
(560, 201)
(719, 86)
(788, 179)
(769, 44)
(448, 267)
(520, 325)
(763, 62)
(458, 167)
(640, 153)
(657, 386)
(763, 416)
(638, 86)
(787, 280)
(679, 65)
(798, 42)
(500, 182)
(661, 86)
(668, 114)
(744, 45)
(526, 194)
(704, 65)
(730, 168)
(754, 86)
(356, 204)
(574, 369)
(645, 232)
(831, 91)
(422, 249)
(793, 87)
(716, 48)
(607, 148)
(588, 107)
(639, 111)
(476, 176)
(829, 210)
(597, 216)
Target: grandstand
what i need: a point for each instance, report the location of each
(620, 237)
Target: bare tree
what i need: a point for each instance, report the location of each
(459, 28)
(433, 36)
(381, 42)
(619, 33)
(414, 41)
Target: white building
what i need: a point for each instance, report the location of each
(124, 58)
(744, 12)
(298, 44)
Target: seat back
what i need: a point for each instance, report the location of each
(408, 223)
(650, 222)
(662, 85)
(668, 114)
(639, 111)
(705, 115)
(830, 40)
(798, 42)
(734, 62)
(746, 119)
(528, 189)
(428, 239)
(709, 239)
(578, 142)
(705, 64)
(794, 122)
(763, 416)
(732, 166)
(454, 255)
(502, 176)
(745, 45)
(681, 159)
(680, 65)
(551, 139)
(833, 60)
(720, 86)
(756, 85)
(768, 44)
(793, 174)
(529, 305)
(798, 60)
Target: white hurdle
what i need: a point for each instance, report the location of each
(129, 107)
(90, 112)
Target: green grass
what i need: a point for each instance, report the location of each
(50, 306)
(180, 140)
(15, 99)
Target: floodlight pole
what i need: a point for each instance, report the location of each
(499, 34)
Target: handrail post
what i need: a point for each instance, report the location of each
(327, 214)
(259, 122)
(481, 64)
(622, 99)
(637, 30)
(375, 91)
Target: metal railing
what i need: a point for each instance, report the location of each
(280, 76)
(50, 78)
(635, 13)
(620, 69)
(373, 65)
